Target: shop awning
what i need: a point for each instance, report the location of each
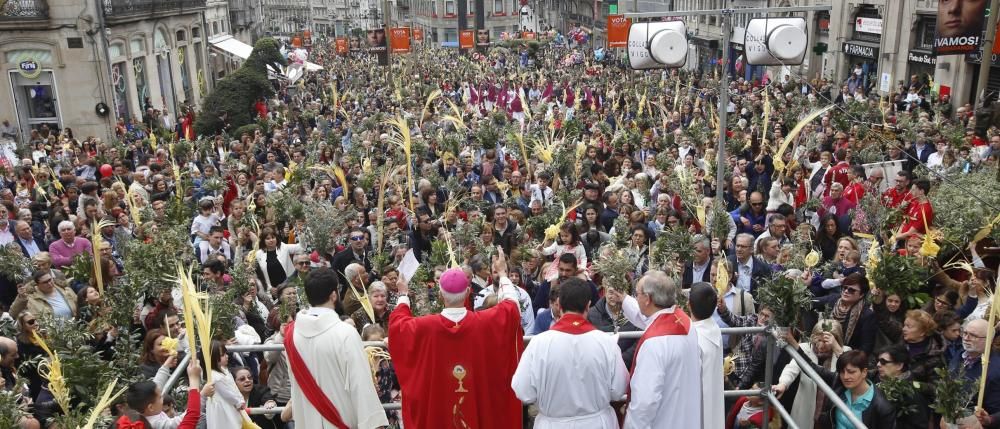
(234, 47)
(230, 45)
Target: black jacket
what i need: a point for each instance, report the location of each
(688, 277)
(880, 414)
(760, 272)
(258, 396)
(601, 319)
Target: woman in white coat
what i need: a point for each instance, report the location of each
(824, 347)
(274, 259)
(223, 411)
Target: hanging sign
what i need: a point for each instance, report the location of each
(618, 26)
(467, 39)
(399, 39)
(29, 68)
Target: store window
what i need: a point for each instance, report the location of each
(199, 69)
(182, 56)
(141, 84)
(925, 32)
(119, 82)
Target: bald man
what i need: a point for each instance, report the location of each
(8, 357)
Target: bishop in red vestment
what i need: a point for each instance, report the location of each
(455, 368)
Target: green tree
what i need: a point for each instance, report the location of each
(235, 94)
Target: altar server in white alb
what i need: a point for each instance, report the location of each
(665, 391)
(331, 381)
(572, 371)
(702, 302)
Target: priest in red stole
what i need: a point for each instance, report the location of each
(455, 367)
(572, 371)
(665, 390)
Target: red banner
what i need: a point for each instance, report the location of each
(341, 45)
(467, 39)
(618, 27)
(418, 34)
(399, 40)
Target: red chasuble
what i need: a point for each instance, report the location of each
(458, 375)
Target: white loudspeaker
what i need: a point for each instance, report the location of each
(776, 41)
(657, 45)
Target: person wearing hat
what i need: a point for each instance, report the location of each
(455, 367)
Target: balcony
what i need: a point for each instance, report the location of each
(122, 10)
(20, 10)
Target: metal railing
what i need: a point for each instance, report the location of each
(24, 9)
(116, 8)
(765, 392)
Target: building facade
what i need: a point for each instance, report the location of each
(439, 19)
(116, 58)
(892, 40)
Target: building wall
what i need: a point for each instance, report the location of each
(440, 23)
(100, 69)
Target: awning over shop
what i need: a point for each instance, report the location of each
(230, 45)
(236, 48)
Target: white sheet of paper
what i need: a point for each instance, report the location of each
(408, 266)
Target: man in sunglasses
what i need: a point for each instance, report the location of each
(752, 217)
(356, 252)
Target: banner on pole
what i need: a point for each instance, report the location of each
(399, 40)
(618, 27)
(467, 39)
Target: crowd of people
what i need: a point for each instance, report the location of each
(498, 204)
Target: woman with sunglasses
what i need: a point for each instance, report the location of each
(28, 350)
(925, 345)
(853, 313)
(851, 383)
(894, 363)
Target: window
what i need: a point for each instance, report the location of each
(180, 36)
(215, 28)
(195, 32)
(141, 85)
(182, 56)
(119, 80)
(451, 35)
(926, 33)
(449, 9)
(138, 46)
(116, 50)
(498, 6)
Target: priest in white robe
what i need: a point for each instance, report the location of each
(572, 371)
(331, 381)
(666, 375)
(702, 302)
